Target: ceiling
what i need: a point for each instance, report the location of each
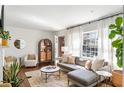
(55, 17)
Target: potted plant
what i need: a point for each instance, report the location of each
(116, 35)
(5, 35)
(11, 75)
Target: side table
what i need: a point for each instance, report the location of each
(105, 74)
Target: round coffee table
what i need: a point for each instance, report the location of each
(49, 70)
(105, 74)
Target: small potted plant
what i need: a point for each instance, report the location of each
(5, 35)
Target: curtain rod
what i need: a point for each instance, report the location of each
(95, 20)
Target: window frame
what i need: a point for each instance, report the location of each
(96, 43)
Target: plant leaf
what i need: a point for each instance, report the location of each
(112, 26)
(119, 62)
(118, 21)
(112, 34)
(117, 43)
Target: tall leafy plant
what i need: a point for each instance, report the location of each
(116, 35)
(11, 75)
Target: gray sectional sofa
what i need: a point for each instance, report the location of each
(79, 75)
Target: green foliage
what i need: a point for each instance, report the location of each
(117, 43)
(11, 75)
(4, 34)
(116, 35)
(112, 34)
(112, 26)
(118, 21)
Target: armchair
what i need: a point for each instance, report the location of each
(9, 60)
(30, 60)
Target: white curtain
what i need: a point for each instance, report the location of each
(73, 41)
(105, 49)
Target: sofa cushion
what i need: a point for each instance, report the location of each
(80, 62)
(70, 67)
(105, 68)
(83, 76)
(97, 63)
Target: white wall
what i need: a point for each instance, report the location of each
(1, 65)
(1, 70)
(1, 73)
(31, 37)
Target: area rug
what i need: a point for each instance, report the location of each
(38, 80)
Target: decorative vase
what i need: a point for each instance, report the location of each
(5, 42)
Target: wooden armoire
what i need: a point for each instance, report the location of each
(45, 51)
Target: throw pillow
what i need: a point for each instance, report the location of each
(65, 58)
(88, 64)
(97, 63)
(31, 57)
(71, 60)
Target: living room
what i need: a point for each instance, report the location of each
(53, 45)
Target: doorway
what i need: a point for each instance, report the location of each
(59, 44)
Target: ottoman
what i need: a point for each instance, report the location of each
(83, 77)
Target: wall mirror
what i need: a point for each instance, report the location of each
(19, 43)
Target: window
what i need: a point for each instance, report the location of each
(90, 44)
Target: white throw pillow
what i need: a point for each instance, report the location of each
(97, 63)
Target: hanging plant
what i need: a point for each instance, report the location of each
(116, 35)
(4, 34)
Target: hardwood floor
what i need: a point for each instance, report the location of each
(24, 69)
